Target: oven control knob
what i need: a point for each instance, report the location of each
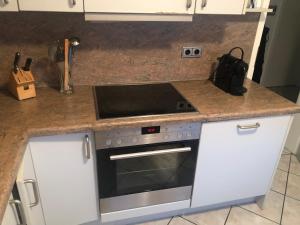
(119, 141)
(108, 142)
(179, 135)
(166, 137)
(189, 134)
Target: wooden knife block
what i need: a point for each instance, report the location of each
(21, 84)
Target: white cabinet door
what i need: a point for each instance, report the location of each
(141, 6)
(9, 5)
(33, 213)
(237, 163)
(51, 5)
(65, 171)
(220, 6)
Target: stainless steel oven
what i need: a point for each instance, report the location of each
(146, 166)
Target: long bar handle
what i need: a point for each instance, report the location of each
(188, 4)
(247, 127)
(204, 4)
(21, 214)
(35, 192)
(74, 2)
(87, 147)
(149, 153)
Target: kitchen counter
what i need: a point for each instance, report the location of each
(53, 113)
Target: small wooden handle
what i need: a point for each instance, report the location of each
(66, 75)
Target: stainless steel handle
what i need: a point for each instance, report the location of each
(188, 4)
(74, 2)
(150, 153)
(35, 192)
(21, 214)
(6, 2)
(204, 4)
(87, 147)
(246, 127)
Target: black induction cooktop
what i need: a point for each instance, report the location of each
(139, 100)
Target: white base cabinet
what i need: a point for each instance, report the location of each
(236, 161)
(57, 181)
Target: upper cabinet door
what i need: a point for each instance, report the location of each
(141, 6)
(9, 5)
(51, 5)
(220, 6)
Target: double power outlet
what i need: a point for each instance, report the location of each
(191, 52)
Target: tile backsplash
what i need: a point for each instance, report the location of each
(124, 52)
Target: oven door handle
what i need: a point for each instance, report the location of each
(150, 153)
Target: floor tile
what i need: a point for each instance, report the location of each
(284, 163)
(157, 222)
(272, 208)
(291, 212)
(293, 187)
(279, 182)
(214, 217)
(295, 165)
(285, 151)
(239, 216)
(179, 221)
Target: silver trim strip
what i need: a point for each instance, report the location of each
(150, 198)
(150, 153)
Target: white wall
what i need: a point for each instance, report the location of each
(282, 59)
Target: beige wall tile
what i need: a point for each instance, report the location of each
(272, 208)
(215, 217)
(291, 212)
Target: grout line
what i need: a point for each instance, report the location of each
(187, 220)
(170, 220)
(282, 170)
(286, 186)
(227, 216)
(258, 215)
(293, 198)
(277, 192)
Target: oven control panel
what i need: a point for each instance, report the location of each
(122, 137)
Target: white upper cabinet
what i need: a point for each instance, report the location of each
(220, 6)
(141, 6)
(51, 5)
(237, 159)
(9, 5)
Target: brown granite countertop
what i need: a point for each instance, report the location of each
(53, 113)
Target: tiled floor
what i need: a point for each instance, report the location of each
(282, 205)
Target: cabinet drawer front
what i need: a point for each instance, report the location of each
(237, 159)
(51, 5)
(220, 7)
(10, 5)
(138, 6)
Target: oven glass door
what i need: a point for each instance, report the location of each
(137, 169)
